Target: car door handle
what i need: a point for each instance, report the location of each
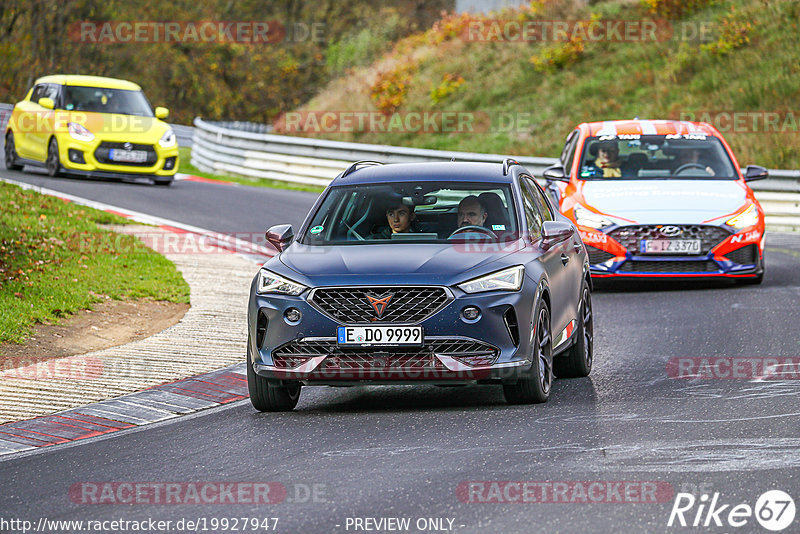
(564, 259)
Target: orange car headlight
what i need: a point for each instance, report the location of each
(745, 218)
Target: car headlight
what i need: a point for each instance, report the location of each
(585, 217)
(79, 132)
(745, 218)
(269, 282)
(168, 140)
(506, 280)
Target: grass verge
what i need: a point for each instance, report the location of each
(55, 260)
(734, 63)
(186, 167)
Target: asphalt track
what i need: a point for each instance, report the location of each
(405, 451)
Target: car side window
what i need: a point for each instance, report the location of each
(38, 92)
(539, 199)
(568, 154)
(51, 91)
(532, 214)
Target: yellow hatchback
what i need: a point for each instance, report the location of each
(91, 126)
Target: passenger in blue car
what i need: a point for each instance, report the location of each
(401, 219)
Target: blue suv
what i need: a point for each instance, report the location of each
(437, 273)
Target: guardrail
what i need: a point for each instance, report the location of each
(5, 113)
(183, 133)
(249, 150)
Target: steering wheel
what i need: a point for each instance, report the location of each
(687, 166)
(473, 228)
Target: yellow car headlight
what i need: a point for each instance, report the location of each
(79, 132)
(745, 218)
(168, 140)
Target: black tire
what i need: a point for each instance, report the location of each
(535, 386)
(53, 161)
(577, 360)
(11, 154)
(163, 183)
(270, 395)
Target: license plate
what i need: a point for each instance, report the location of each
(387, 336)
(128, 156)
(670, 246)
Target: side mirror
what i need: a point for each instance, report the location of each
(755, 172)
(554, 232)
(47, 103)
(280, 236)
(161, 113)
(555, 173)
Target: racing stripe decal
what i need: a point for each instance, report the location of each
(609, 128)
(648, 128)
(565, 334)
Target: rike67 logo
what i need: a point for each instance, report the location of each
(774, 510)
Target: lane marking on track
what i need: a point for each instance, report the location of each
(181, 177)
(246, 249)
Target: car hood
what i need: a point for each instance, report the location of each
(389, 264)
(665, 201)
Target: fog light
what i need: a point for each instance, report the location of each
(169, 163)
(76, 156)
(292, 315)
(471, 313)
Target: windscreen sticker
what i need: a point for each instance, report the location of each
(316, 230)
(498, 227)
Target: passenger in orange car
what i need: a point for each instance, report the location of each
(608, 160)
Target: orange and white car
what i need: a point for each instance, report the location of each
(660, 198)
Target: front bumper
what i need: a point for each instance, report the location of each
(732, 255)
(164, 165)
(492, 348)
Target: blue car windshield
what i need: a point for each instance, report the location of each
(102, 100)
(414, 212)
(641, 157)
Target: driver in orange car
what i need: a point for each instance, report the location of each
(695, 156)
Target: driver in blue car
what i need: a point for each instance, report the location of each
(471, 212)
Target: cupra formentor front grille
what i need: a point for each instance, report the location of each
(399, 304)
